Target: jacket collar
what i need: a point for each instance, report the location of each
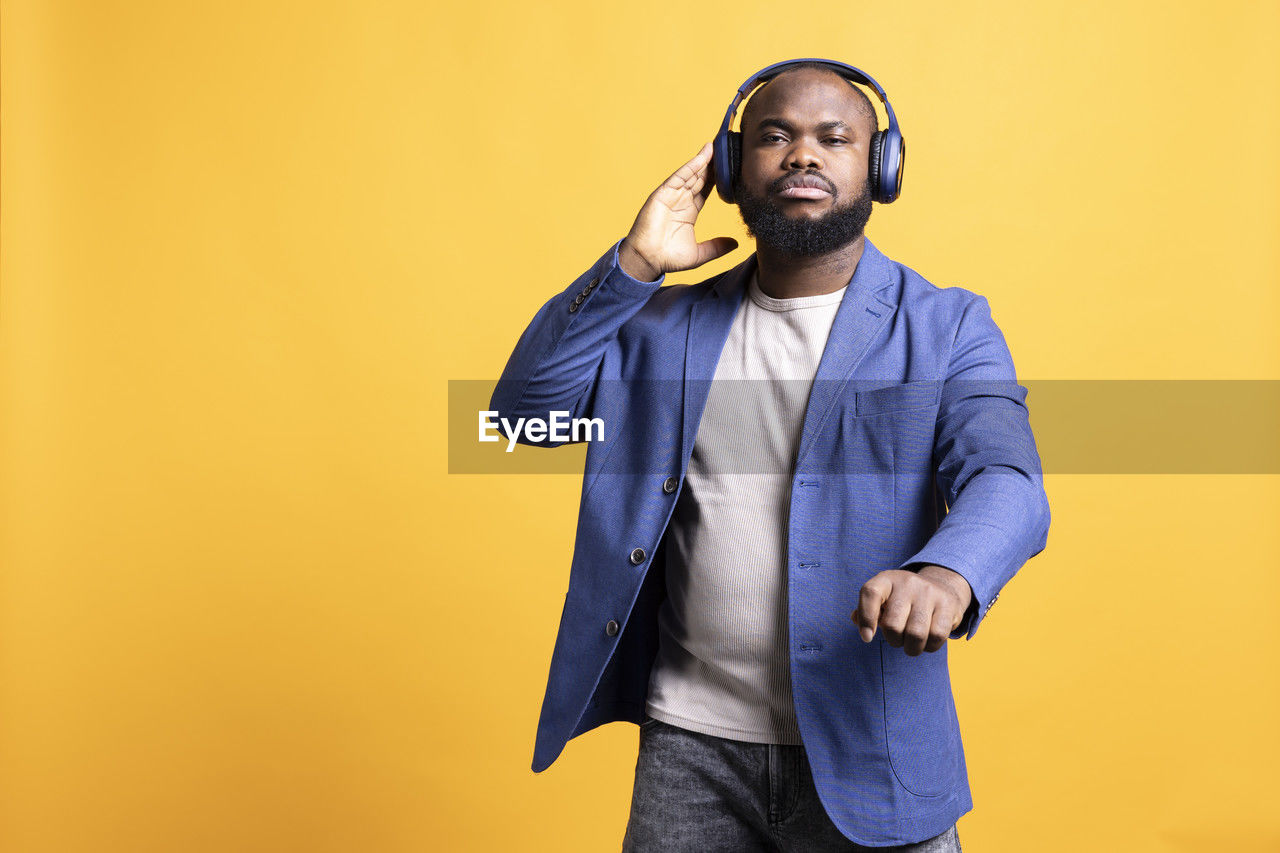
(873, 274)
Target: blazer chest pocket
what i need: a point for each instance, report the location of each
(922, 394)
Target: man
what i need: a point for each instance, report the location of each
(765, 575)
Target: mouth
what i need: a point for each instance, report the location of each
(808, 193)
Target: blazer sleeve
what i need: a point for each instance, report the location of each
(556, 361)
(987, 467)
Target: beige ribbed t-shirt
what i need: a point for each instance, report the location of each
(723, 663)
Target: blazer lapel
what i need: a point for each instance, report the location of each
(866, 308)
(709, 322)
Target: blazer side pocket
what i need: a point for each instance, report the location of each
(922, 733)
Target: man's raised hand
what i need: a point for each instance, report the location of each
(661, 239)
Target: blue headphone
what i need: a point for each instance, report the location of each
(887, 147)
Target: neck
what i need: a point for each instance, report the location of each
(785, 276)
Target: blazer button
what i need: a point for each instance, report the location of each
(577, 300)
(611, 628)
(593, 283)
(669, 485)
(573, 307)
(637, 556)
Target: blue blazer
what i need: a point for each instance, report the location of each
(915, 449)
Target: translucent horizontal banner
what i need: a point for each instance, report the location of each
(1111, 426)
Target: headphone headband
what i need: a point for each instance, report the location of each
(767, 73)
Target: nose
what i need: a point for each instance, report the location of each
(803, 155)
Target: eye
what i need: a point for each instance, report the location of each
(836, 139)
(768, 137)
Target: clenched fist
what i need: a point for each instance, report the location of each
(916, 610)
(661, 240)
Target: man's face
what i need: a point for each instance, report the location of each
(805, 126)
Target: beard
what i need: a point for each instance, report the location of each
(802, 236)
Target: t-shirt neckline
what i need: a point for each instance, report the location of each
(772, 303)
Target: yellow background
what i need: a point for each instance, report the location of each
(245, 246)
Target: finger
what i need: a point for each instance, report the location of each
(893, 618)
(957, 614)
(702, 192)
(918, 628)
(684, 176)
(699, 166)
(870, 599)
(939, 630)
(716, 247)
(702, 186)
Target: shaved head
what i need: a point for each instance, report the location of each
(860, 106)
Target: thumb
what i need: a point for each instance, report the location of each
(717, 247)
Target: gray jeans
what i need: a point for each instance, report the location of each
(702, 794)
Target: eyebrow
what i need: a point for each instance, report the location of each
(783, 124)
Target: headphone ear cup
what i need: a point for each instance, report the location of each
(873, 171)
(735, 157)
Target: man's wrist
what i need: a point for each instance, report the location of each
(634, 265)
